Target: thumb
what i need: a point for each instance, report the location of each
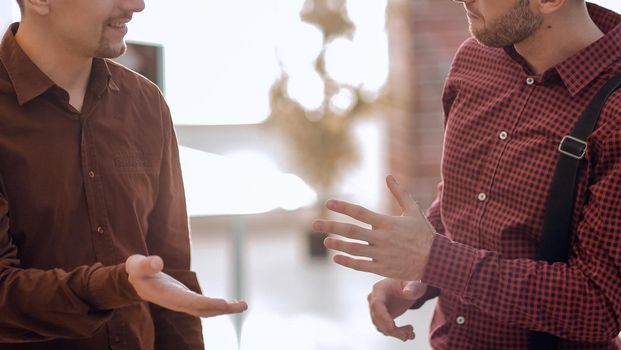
(140, 265)
(407, 203)
(413, 290)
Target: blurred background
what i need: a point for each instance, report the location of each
(279, 105)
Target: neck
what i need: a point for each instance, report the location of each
(65, 68)
(559, 37)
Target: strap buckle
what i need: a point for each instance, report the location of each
(573, 147)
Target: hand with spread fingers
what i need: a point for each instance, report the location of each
(157, 287)
(389, 299)
(394, 246)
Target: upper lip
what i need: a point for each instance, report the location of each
(470, 11)
(120, 21)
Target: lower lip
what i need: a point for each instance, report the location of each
(121, 30)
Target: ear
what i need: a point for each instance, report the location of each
(546, 7)
(40, 7)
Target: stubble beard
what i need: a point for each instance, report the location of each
(107, 49)
(511, 28)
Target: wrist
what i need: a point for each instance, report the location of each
(110, 288)
(423, 256)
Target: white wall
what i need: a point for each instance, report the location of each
(9, 12)
(611, 4)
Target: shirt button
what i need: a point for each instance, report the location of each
(503, 135)
(482, 196)
(91, 174)
(460, 320)
(530, 80)
(100, 229)
(116, 339)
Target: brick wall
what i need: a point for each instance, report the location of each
(423, 37)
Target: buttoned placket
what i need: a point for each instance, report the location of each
(483, 196)
(102, 239)
(93, 189)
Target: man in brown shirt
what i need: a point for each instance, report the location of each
(91, 195)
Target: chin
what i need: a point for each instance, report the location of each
(111, 51)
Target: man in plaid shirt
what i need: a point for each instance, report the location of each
(513, 92)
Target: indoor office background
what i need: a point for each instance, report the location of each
(278, 105)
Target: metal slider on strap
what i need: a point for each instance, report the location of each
(573, 147)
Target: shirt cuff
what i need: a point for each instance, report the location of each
(430, 293)
(109, 288)
(449, 266)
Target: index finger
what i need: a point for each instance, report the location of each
(384, 323)
(355, 211)
(381, 318)
(206, 307)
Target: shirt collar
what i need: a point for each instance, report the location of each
(30, 82)
(101, 77)
(27, 79)
(579, 70)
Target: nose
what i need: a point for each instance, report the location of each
(134, 5)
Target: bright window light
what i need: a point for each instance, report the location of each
(242, 183)
(222, 57)
(306, 87)
(611, 4)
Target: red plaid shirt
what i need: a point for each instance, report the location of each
(503, 128)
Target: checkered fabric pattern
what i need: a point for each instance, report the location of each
(503, 128)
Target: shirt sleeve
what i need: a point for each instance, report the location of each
(579, 300)
(435, 218)
(38, 305)
(169, 237)
(434, 212)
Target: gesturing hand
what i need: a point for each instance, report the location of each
(389, 299)
(154, 286)
(395, 246)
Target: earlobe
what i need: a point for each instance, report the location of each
(40, 7)
(546, 7)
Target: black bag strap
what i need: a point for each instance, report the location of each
(556, 236)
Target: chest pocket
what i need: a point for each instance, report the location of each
(136, 163)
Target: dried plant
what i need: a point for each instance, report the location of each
(320, 141)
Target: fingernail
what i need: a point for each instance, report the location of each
(153, 264)
(330, 204)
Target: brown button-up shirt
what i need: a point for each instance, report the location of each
(79, 193)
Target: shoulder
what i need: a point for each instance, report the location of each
(140, 91)
(476, 66)
(611, 112)
(609, 129)
(472, 54)
(475, 63)
(612, 109)
(470, 47)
